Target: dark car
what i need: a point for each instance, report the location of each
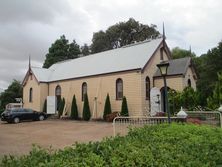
(18, 114)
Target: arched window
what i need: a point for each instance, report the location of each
(84, 90)
(189, 82)
(58, 93)
(119, 89)
(147, 88)
(58, 90)
(30, 94)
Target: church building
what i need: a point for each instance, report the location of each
(128, 71)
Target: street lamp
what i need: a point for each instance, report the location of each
(163, 66)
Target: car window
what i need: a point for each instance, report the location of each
(28, 110)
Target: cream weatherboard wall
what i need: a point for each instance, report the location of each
(189, 75)
(99, 86)
(149, 71)
(36, 98)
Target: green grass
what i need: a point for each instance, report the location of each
(162, 145)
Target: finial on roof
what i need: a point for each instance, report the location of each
(29, 62)
(164, 36)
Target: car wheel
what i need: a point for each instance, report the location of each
(16, 120)
(41, 117)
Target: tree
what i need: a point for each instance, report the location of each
(85, 50)
(214, 101)
(181, 53)
(86, 110)
(61, 50)
(122, 34)
(61, 107)
(124, 108)
(107, 107)
(74, 109)
(208, 65)
(13, 91)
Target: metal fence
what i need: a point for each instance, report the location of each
(121, 125)
(212, 118)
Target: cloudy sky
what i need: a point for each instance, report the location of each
(29, 27)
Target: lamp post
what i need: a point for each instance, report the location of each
(163, 66)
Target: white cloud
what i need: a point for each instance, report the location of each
(29, 27)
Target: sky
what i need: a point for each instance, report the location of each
(29, 27)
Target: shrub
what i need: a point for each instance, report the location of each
(158, 145)
(107, 107)
(124, 108)
(74, 109)
(111, 116)
(61, 107)
(86, 110)
(45, 106)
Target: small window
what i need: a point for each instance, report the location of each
(119, 89)
(161, 53)
(84, 90)
(30, 94)
(189, 82)
(147, 82)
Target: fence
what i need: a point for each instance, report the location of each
(212, 118)
(121, 125)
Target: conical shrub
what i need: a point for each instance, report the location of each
(74, 109)
(107, 107)
(124, 108)
(86, 110)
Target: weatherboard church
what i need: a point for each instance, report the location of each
(128, 71)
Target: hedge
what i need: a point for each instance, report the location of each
(160, 145)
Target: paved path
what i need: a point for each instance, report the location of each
(17, 139)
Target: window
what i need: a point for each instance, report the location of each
(161, 53)
(189, 82)
(58, 90)
(147, 82)
(84, 90)
(119, 89)
(30, 94)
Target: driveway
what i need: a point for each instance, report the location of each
(17, 139)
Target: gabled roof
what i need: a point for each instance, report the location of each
(130, 57)
(176, 67)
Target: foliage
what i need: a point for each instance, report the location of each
(61, 50)
(160, 145)
(86, 110)
(124, 107)
(45, 106)
(215, 100)
(107, 107)
(61, 107)
(85, 50)
(13, 91)
(74, 109)
(208, 65)
(188, 99)
(121, 34)
(177, 53)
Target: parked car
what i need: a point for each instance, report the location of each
(18, 114)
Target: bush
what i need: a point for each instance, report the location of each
(124, 108)
(45, 106)
(86, 110)
(107, 107)
(61, 107)
(158, 145)
(74, 109)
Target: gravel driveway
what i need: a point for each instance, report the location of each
(17, 139)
